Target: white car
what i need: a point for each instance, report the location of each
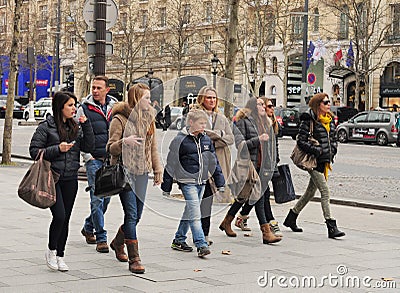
(41, 108)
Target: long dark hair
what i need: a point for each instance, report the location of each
(252, 106)
(69, 129)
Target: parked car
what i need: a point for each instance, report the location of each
(289, 120)
(343, 114)
(17, 112)
(369, 127)
(177, 119)
(41, 108)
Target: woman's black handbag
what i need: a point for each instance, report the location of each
(283, 185)
(110, 179)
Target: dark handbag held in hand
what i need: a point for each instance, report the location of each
(283, 185)
(38, 185)
(110, 179)
(303, 160)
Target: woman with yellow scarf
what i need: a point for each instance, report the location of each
(321, 117)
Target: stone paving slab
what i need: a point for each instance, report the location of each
(371, 247)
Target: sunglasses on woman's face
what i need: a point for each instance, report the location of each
(326, 102)
(270, 106)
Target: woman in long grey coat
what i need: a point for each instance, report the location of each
(220, 131)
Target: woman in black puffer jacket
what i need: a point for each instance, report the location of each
(62, 139)
(321, 118)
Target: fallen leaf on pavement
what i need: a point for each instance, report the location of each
(387, 279)
(227, 252)
(197, 270)
(247, 235)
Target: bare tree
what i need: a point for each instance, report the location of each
(368, 30)
(285, 36)
(179, 35)
(7, 135)
(256, 35)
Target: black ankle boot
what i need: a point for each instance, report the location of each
(333, 230)
(290, 221)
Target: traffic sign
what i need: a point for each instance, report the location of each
(91, 49)
(90, 36)
(111, 13)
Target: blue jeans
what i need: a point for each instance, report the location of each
(132, 203)
(191, 215)
(98, 206)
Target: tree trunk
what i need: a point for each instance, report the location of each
(8, 123)
(231, 55)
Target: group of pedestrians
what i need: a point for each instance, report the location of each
(198, 160)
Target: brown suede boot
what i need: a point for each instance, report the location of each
(268, 236)
(133, 253)
(226, 226)
(118, 246)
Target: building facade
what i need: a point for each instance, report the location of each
(356, 55)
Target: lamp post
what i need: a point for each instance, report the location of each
(150, 74)
(304, 61)
(214, 65)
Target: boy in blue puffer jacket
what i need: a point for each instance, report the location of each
(190, 160)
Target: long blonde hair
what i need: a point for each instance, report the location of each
(203, 94)
(135, 93)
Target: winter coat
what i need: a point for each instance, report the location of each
(100, 124)
(190, 160)
(220, 132)
(327, 148)
(137, 159)
(65, 163)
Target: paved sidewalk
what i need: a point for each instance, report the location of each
(371, 248)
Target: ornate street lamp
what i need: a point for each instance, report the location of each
(214, 65)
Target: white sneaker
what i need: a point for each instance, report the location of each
(275, 228)
(62, 267)
(51, 259)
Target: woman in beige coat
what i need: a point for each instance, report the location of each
(220, 131)
(133, 137)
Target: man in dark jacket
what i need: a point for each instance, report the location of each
(190, 159)
(97, 108)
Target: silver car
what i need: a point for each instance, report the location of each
(370, 127)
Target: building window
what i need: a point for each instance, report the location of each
(273, 90)
(186, 14)
(362, 21)
(144, 52)
(162, 48)
(144, 19)
(274, 65)
(316, 20)
(396, 19)
(252, 65)
(344, 24)
(208, 6)
(185, 49)
(264, 65)
(124, 20)
(71, 40)
(163, 17)
(3, 2)
(24, 20)
(3, 22)
(42, 46)
(43, 16)
(297, 26)
(207, 44)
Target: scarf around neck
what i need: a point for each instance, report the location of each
(326, 122)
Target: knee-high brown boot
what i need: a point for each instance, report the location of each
(133, 253)
(268, 236)
(118, 246)
(226, 226)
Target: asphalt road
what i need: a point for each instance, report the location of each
(368, 173)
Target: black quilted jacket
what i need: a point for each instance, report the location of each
(327, 149)
(65, 163)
